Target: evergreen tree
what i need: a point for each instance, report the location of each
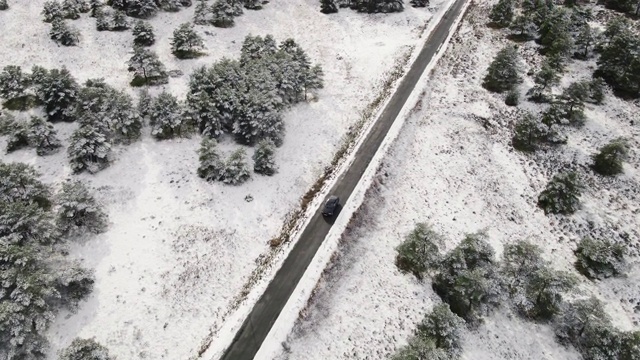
(3, 5)
(95, 7)
(21, 183)
(168, 5)
(599, 259)
(13, 82)
(143, 9)
(256, 48)
(443, 327)
(577, 321)
(625, 6)
(520, 259)
(543, 293)
(619, 62)
(328, 6)
(502, 13)
(467, 280)
(125, 121)
(63, 34)
(545, 80)
(211, 166)
(88, 150)
(512, 98)
(19, 138)
(596, 91)
(555, 36)
(103, 20)
(147, 68)
(144, 104)
(166, 117)
(528, 133)
(585, 40)
(503, 73)
(203, 111)
(119, 21)
(186, 43)
(85, 349)
(263, 158)
(573, 98)
(7, 123)
(71, 9)
(236, 6)
(58, 91)
(222, 14)
(43, 136)
(236, 170)
(52, 10)
(201, 14)
(420, 348)
(561, 194)
(78, 210)
(608, 160)
(253, 4)
(143, 34)
(524, 26)
(419, 3)
(420, 251)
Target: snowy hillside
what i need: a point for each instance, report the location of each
(453, 167)
(178, 250)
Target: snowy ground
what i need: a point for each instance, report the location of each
(179, 249)
(452, 166)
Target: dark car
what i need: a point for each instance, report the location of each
(331, 206)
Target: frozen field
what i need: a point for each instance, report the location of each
(453, 167)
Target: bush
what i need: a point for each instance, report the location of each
(561, 195)
(211, 166)
(420, 251)
(598, 259)
(236, 170)
(467, 280)
(78, 210)
(503, 73)
(328, 6)
(608, 161)
(85, 349)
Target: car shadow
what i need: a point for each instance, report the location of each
(332, 219)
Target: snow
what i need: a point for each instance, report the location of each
(453, 167)
(178, 250)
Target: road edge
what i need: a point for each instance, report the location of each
(271, 346)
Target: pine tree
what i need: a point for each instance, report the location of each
(545, 80)
(573, 98)
(543, 292)
(203, 111)
(43, 136)
(578, 319)
(145, 100)
(13, 82)
(596, 91)
(58, 91)
(554, 33)
(85, 349)
(561, 196)
(263, 158)
(52, 10)
(236, 6)
(600, 258)
(524, 26)
(222, 14)
(19, 138)
(95, 7)
(168, 5)
(88, 150)
(143, 9)
(21, 183)
(608, 160)
(63, 34)
(3, 5)
(166, 117)
(444, 328)
(328, 6)
(256, 48)
(527, 133)
(147, 68)
(186, 43)
(71, 9)
(143, 34)
(314, 79)
(236, 170)
(78, 210)
(585, 40)
(502, 13)
(503, 73)
(211, 166)
(619, 61)
(419, 253)
(520, 259)
(201, 13)
(119, 21)
(103, 20)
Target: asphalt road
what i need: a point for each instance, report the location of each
(256, 326)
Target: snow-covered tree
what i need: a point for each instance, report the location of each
(119, 21)
(619, 61)
(502, 13)
(263, 158)
(78, 210)
(597, 88)
(211, 166)
(143, 34)
(600, 258)
(88, 150)
(253, 4)
(25, 224)
(236, 170)
(513, 97)
(528, 132)
(85, 349)
(169, 5)
(545, 79)
(419, 253)
(58, 91)
(443, 327)
(7, 123)
(103, 19)
(52, 10)
(43, 136)
(520, 259)
(63, 34)
(18, 138)
(256, 47)
(420, 348)
(186, 43)
(125, 121)
(147, 68)
(555, 35)
(4, 5)
(167, 118)
(328, 6)
(137, 8)
(145, 100)
(203, 111)
(202, 13)
(577, 321)
(561, 196)
(608, 160)
(467, 278)
(13, 82)
(21, 183)
(419, 3)
(543, 293)
(222, 14)
(71, 9)
(95, 6)
(504, 72)
(585, 41)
